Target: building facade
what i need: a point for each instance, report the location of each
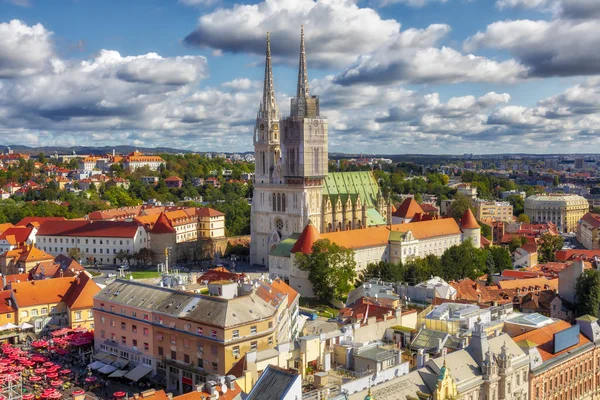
(136, 160)
(291, 184)
(563, 210)
(587, 231)
(494, 210)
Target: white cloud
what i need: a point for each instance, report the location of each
(411, 57)
(560, 47)
(21, 3)
(337, 31)
(195, 3)
(411, 3)
(242, 84)
(24, 50)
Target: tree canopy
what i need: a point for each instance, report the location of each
(331, 269)
(549, 245)
(587, 293)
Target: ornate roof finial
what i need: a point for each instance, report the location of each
(269, 106)
(302, 71)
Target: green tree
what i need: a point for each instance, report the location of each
(517, 202)
(444, 179)
(516, 242)
(486, 230)
(549, 244)
(386, 271)
(331, 269)
(524, 218)
(463, 261)
(460, 204)
(555, 181)
(490, 266)
(587, 293)
(42, 158)
(501, 257)
(418, 198)
(75, 253)
(144, 256)
(119, 197)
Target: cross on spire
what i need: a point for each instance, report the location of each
(302, 71)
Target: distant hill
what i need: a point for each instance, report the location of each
(48, 150)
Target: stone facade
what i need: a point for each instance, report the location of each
(291, 182)
(563, 210)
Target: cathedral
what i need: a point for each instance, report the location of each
(292, 185)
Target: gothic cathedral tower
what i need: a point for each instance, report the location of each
(291, 164)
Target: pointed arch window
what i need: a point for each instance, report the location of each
(274, 202)
(264, 164)
(283, 202)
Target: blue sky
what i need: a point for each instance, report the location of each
(395, 76)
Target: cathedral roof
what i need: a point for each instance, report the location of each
(408, 209)
(307, 238)
(468, 220)
(353, 184)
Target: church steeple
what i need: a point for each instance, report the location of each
(302, 71)
(269, 105)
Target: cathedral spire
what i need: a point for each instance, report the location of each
(269, 106)
(302, 71)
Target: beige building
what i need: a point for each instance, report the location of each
(136, 160)
(563, 210)
(494, 210)
(587, 231)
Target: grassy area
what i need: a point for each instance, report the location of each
(323, 310)
(94, 273)
(143, 274)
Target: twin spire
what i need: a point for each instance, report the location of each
(269, 104)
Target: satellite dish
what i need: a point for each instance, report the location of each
(224, 388)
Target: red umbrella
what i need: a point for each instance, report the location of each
(35, 378)
(52, 375)
(119, 395)
(78, 392)
(55, 395)
(27, 396)
(65, 372)
(56, 383)
(90, 379)
(48, 364)
(40, 370)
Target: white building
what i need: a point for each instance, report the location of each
(137, 160)
(98, 241)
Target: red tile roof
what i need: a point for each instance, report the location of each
(408, 208)
(89, 228)
(592, 219)
(529, 283)
(307, 239)
(208, 212)
(46, 291)
(544, 339)
(173, 179)
(280, 286)
(568, 255)
(17, 234)
(468, 220)
(81, 293)
(363, 309)
(162, 225)
(220, 274)
(508, 273)
(468, 289)
(6, 295)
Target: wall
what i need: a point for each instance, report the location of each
(358, 385)
(374, 330)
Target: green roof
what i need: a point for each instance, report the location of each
(587, 318)
(353, 184)
(283, 248)
(374, 218)
(396, 236)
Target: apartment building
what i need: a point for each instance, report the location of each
(587, 231)
(136, 160)
(97, 241)
(494, 210)
(184, 337)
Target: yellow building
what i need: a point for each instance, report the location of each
(51, 304)
(494, 210)
(563, 210)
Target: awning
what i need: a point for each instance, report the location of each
(109, 359)
(107, 369)
(100, 355)
(97, 365)
(120, 363)
(138, 373)
(118, 373)
(7, 327)
(25, 325)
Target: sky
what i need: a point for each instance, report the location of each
(393, 76)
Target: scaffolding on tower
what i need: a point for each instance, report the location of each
(11, 386)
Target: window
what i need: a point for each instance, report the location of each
(173, 339)
(236, 334)
(102, 334)
(160, 351)
(90, 313)
(146, 346)
(173, 355)
(271, 341)
(123, 326)
(123, 340)
(134, 314)
(199, 331)
(186, 342)
(253, 346)
(200, 363)
(112, 323)
(34, 312)
(134, 328)
(215, 366)
(213, 334)
(134, 342)
(24, 314)
(147, 362)
(77, 315)
(236, 351)
(44, 310)
(145, 331)
(146, 318)
(186, 358)
(253, 330)
(102, 320)
(271, 324)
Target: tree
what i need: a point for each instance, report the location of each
(587, 293)
(383, 270)
(486, 230)
(460, 204)
(42, 158)
(119, 197)
(418, 198)
(75, 253)
(444, 179)
(523, 218)
(549, 245)
(490, 266)
(144, 256)
(516, 242)
(502, 259)
(463, 261)
(121, 256)
(331, 269)
(555, 181)
(517, 202)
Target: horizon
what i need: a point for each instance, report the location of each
(447, 76)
